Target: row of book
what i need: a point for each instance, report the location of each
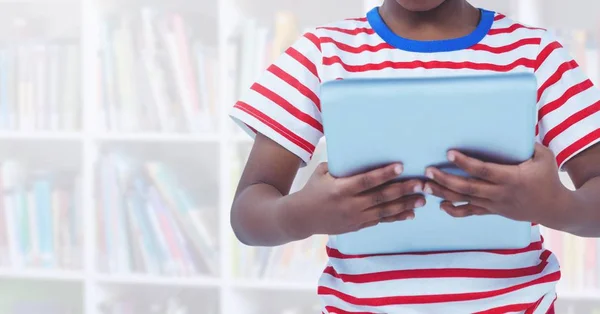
(149, 223)
(253, 47)
(579, 259)
(154, 76)
(40, 87)
(31, 307)
(40, 218)
(162, 305)
(577, 308)
(583, 47)
(301, 261)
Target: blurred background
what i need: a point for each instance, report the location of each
(118, 162)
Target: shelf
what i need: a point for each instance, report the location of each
(305, 12)
(41, 135)
(275, 285)
(581, 295)
(43, 275)
(554, 14)
(152, 280)
(158, 137)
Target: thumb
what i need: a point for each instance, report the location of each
(542, 152)
(322, 168)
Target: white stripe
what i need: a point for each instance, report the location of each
(393, 55)
(240, 116)
(551, 65)
(296, 69)
(285, 118)
(292, 94)
(530, 294)
(336, 70)
(575, 132)
(573, 105)
(469, 260)
(430, 286)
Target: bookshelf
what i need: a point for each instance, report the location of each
(94, 137)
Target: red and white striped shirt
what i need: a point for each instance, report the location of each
(284, 105)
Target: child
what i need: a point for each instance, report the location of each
(422, 38)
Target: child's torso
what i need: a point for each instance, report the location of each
(464, 282)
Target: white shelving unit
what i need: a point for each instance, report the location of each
(226, 293)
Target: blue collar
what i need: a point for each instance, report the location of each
(445, 45)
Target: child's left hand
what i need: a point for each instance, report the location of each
(531, 191)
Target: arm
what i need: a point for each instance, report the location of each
(584, 220)
(569, 122)
(282, 110)
(265, 214)
(257, 212)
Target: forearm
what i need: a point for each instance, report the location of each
(262, 216)
(580, 213)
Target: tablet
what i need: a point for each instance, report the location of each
(370, 123)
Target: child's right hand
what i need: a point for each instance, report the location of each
(334, 206)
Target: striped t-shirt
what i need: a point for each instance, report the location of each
(284, 105)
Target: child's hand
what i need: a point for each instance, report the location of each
(340, 205)
(526, 192)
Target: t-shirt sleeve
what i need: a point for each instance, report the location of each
(283, 104)
(568, 102)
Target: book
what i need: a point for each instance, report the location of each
(162, 231)
(40, 87)
(35, 206)
(156, 76)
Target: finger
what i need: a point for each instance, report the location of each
(393, 208)
(407, 215)
(389, 193)
(433, 188)
(368, 225)
(542, 152)
(470, 187)
(462, 211)
(483, 170)
(322, 168)
(366, 181)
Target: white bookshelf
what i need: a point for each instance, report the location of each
(224, 293)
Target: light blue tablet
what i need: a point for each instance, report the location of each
(369, 123)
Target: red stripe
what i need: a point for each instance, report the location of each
(429, 65)
(534, 307)
(534, 246)
(513, 308)
(562, 69)
(507, 48)
(251, 128)
(510, 29)
(384, 46)
(441, 298)
(545, 53)
(359, 49)
(571, 92)
(570, 121)
(441, 273)
(335, 310)
(287, 106)
(277, 127)
(358, 19)
(577, 146)
(295, 83)
(355, 31)
(304, 61)
(499, 17)
(314, 39)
